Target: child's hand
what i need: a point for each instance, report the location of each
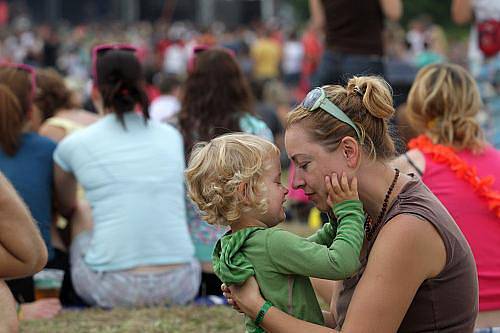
(338, 193)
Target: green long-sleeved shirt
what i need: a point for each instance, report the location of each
(282, 262)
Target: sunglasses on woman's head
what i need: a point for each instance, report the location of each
(26, 68)
(316, 99)
(100, 50)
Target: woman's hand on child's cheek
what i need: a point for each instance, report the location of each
(247, 297)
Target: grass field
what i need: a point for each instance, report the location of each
(199, 319)
(187, 319)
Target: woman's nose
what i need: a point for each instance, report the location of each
(297, 182)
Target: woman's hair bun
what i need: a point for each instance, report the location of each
(375, 93)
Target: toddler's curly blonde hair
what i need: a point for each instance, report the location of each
(219, 170)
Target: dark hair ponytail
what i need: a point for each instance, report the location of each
(121, 84)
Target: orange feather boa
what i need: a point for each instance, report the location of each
(447, 155)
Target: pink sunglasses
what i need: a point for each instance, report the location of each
(28, 69)
(103, 48)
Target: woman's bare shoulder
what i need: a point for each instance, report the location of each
(414, 238)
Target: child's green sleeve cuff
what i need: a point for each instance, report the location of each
(348, 207)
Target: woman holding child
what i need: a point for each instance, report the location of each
(235, 179)
(417, 271)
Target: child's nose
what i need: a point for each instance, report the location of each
(285, 190)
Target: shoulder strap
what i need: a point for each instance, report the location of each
(414, 166)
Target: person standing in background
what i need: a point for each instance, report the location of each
(266, 55)
(167, 105)
(51, 45)
(293, 55)
(4, 13)
(353, 37)
(484, 57)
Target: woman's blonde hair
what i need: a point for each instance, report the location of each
(367, 101)
(444, 102)
(218, 171)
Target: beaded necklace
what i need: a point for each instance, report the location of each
(371, 227)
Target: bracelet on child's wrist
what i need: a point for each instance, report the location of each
(262, 312)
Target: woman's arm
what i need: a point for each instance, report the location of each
(22, 250)
(247, 298)
(392, 9)
(317, 14)
(407, 251)
(461, 11)
(65, 189)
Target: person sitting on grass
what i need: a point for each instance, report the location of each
(26, 161)
(22, 250)
(235, 180)
(130, 243)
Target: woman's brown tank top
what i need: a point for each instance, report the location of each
(446, 303)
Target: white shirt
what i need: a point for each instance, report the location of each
(293, 53)
(175, 60)
(133, 177)
(486, 10)
(164, 107)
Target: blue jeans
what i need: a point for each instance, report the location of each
(487, 330)
(488, 81)
(337, 68)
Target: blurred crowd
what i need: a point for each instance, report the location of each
(203, 82)
(265, 51)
